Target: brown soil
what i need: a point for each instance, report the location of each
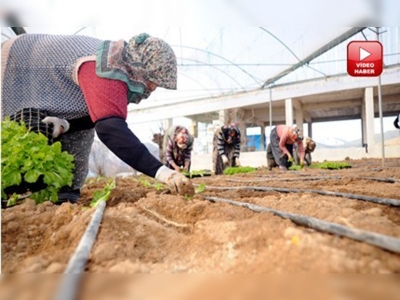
(145, 230)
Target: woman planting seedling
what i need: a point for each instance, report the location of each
(226, 145)
(83, 84)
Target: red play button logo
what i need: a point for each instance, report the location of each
(364, 58)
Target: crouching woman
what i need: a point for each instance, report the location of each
(309, 147)
(177, 147)
(226, 148)
(280, 149)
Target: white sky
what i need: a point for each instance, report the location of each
(199, 12)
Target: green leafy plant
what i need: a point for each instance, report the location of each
(201, 188)
(235, 170)
(104, 194)
(144, 182)
(157, 185)
(295, 168)
(27, 157)
(196, 173)
(331, 165)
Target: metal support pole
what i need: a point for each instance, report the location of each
(380, 111)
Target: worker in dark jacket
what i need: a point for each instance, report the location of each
(177, 147)
(88, 83)
(226, 148)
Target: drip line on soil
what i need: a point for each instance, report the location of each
(77, 262)
(376, 239)
(380, 179)
(384, 201)
(286, 179)
(389, 180)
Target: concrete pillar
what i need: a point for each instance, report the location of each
(223, 117)
(289, 112)
(193, 128)
(299, 119)
(369, 116)
(309, 127)
(363, 124)
(243, 143)
(262, 138)
(167, 123)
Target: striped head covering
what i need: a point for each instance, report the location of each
(144, 58)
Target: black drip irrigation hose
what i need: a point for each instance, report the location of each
(388, 180)
(384, 201)
(386, 167)
(376, 239)
(77, 262)
(287, 179)
(371, 164)
(305, 178)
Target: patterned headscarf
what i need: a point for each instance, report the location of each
(297, 135)
(231, 133)
(181, 137)
(144, 58)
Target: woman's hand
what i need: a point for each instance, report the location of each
(176, 181)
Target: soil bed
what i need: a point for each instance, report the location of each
(145, 230)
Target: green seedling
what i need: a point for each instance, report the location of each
(195, 173)
(295, 168)
(104, 194)
(159, 186)
(144, 182)
(201, 188)
(188, 197)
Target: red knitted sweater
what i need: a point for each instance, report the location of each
(104, 97)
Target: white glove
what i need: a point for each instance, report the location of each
(224, 159)
(177, 182)
(237, 162)
(59, 125)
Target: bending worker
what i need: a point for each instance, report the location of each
(226, 148)
(309, 147)
(89, 82)
(177, 147)
(280, 148)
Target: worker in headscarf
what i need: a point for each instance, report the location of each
(280, 148)
(83, 84)
(226, 148)
(177, 147)
(309, 147)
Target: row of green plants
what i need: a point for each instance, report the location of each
(330, 165)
